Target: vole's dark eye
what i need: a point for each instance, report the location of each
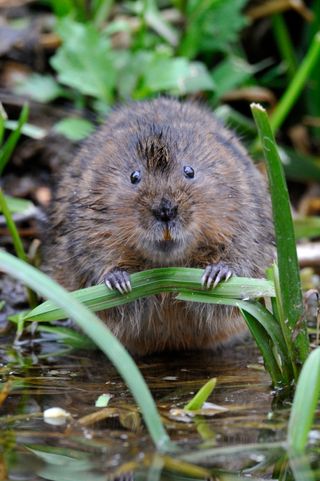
(135, 177)
(188, 171)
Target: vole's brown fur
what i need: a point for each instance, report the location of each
(102, 222)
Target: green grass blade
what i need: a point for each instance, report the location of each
(99, 333)
(286, 248)
(302, 469)
(279, 314)
(17, 242)
(8, 147)
(258, 311)
(293, 91)
(274, 302)
(304, 403)
(19, 206)
(67, 336)
(201, 396)
(153, 17)
(152, 282)
(3, 118)
(308, 227)
(101, 10)
(284, 43)
(29, 130)
(264, 343)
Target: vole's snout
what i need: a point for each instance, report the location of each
(165, 211)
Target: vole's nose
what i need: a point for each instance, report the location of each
(166, 211)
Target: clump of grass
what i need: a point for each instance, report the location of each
(288, 307)
(289, 310)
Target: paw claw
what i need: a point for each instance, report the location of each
(206, 279)
(229, 274)
(217, 280)
(119, 280)
(118, 287)
(215, 273)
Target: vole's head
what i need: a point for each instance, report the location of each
(167, 192)
(165, 205)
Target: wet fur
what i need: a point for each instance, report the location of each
(101, 221)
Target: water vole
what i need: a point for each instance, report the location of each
(162, 183)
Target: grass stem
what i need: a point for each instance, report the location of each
(284, 43)
(304, 404)
(290, 96)
(289, 275)
(7, 149)
(17, 243)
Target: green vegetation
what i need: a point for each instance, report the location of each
(8, 146)
(103, 58)
(99, 333)
(304, 404)
(289, 296)
(201, 396)
(18, 246)
(6, 150)
(274, 335)
(152, 282)
(114, 51)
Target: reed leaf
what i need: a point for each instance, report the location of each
(289, 277)
(202, 395)
(17, 242)
(3, 118)
(304, 403)
(7, 149)
(271, 334)
(284, 43)
(151, 282)
(296, 85)
(264, 343)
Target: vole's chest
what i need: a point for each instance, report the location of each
(166, 309)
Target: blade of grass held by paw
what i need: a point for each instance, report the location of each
(155, 281)
(202, 395)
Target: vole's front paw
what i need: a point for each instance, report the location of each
(118, 279)
(215, 273)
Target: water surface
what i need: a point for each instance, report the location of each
(246, 441)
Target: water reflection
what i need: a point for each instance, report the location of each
(246, 441)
